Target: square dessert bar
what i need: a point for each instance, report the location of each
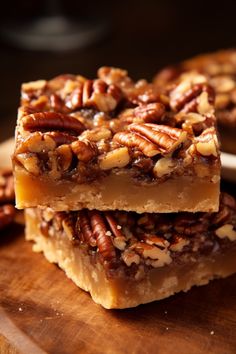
(125, 259)
(220, 70)
(112, 143)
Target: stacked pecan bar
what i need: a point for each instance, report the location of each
(92, 154)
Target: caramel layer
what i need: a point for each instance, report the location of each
(118, 192)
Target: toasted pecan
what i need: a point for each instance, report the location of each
(51, 121)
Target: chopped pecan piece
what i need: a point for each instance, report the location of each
(115, 76)
(115, 158)
(178, 243)
(226, 230)
(84, 150)
(163, 166)
(65, 156)
(30, 163)
(34, 85)
(68, 226)
(161, 256)
(206, 143)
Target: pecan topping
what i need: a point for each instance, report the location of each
(7, 213)
(113, 122)
(51, 121)
(84, 150)
(104, 242)
(166, 138)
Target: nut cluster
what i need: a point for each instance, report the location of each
(72, 127)
(7, 195)
(220, 70)
(129, 241)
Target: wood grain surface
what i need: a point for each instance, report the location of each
(41, 311)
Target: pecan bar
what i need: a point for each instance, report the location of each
(112, 143)
(220, 69)
(125, 259)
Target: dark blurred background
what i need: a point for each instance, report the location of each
(41, 39)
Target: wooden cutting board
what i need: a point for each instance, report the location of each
(41, 311)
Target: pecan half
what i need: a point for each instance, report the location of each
(51, 121)
(165, 137)
(85, 229)
(136, 141)
(104, 243)
(119, 240)
(152, 112)
(7, 213)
